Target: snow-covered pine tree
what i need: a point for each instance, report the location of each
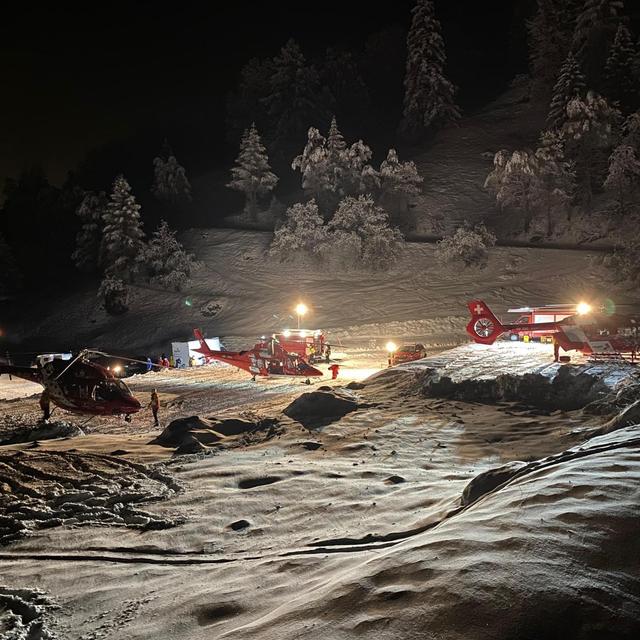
(312, 164)
(252, 174)
(168, 264)
(620, 76)
(170, 182)
(86, 256)
(301, 235)
(550, 32)
(122, 244)
(295, 96)
(589, 134)
(362, 219)
(570, 84)
(399, 182)
(429, 95)
(595, 28)
(623, 177)
(10, 277)
(555, 183)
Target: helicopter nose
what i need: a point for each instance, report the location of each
(134, 404)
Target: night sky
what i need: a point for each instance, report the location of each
(78, 75)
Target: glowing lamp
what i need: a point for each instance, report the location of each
(391, 347)
(117, 368)
(301, 309)
(583, 308)
(286, 333)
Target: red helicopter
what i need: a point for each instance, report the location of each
(79, 386)
(593, 334)
(267, 358)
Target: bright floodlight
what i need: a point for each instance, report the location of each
(583, 308)
(391, 347)
(301, 309)
(286, 333)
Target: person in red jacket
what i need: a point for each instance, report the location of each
(334, 368)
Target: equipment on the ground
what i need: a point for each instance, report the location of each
(267, 358)
(595, 334)
(79, 385)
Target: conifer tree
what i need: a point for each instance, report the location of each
(621, 82)
(122, 236)
(623, 177)
(312, 164)
(570, 84)
(589, 134)
(429, 95)
(91, 210)
(595, 28)
(168, 264)
(550, 32)
(295, 97)
(252, 174)
(170, 182)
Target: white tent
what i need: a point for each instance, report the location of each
(184, 350)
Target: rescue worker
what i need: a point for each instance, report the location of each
(192, 361)
(312, 352)
(556, 350)
(334, 368)
(165, 363)
(45, 404)
(172, 362)
(327, 354)
(149, 364)
(155, 406)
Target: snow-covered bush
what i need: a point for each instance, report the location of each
(466, 246)
(399, 182)
(367, 222)
(168, 264)
(115, 295)
(300, 235)
(342, 252)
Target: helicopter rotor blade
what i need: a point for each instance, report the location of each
(80, 355)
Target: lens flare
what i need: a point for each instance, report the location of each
(583, 308)
(391, 346)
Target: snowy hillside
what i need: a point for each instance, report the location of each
(239, 294)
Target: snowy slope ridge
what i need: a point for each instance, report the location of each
(552, 553)
(239, 294)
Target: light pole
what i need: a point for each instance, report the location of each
(301, 310)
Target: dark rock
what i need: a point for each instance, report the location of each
(190, 445)
(489, 480)
(394, 480)
(183, 429)
(239, 525)
(321, 407)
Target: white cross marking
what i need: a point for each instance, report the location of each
(478, 309)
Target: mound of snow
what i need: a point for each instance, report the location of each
(554, 552)
(321, 407)
(184, 433)
(24, 614)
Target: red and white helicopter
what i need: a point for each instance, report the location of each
(267, 358)
(593, 334)
(79, 385)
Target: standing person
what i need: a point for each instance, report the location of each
(45, 404)
(172, 362)
(334, 368)
(556, 350)
(312, 352)
(149, 364)
(155, 406)
(327, 354)
(165, 362)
